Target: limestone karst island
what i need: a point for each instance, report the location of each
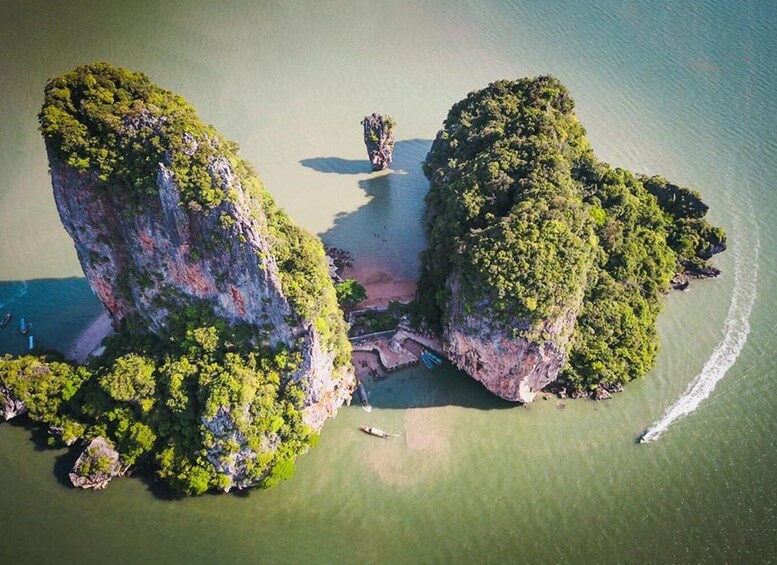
(545, 269)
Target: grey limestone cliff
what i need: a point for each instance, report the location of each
(513, 367)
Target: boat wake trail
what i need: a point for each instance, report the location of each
(723, 357)
(12, 292)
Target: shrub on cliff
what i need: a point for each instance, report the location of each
(350, 292)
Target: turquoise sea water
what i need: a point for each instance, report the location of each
(686, 90)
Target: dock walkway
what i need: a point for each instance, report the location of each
(396, 357)
(390, 360)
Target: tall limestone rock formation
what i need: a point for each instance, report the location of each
(379, 140)
(489, 208)
(165, 215)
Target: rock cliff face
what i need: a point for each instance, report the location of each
(379, 139)
(146, 261)
(514, 368)
(10, 406)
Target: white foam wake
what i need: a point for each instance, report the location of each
(17, 291)
(725, 354)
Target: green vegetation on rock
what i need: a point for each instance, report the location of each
(522, 220)
(88, 112)
(46, 390)
(200, 406)
(350, 292)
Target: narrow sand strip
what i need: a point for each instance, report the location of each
(91, 338)
(381, 287)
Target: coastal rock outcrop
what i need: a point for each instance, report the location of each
(509, 239)
(10, 406)
(96, 466)
(379, 139)
(544, 264)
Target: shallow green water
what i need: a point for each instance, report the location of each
(684, 91)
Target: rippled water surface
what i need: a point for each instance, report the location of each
(681, 89)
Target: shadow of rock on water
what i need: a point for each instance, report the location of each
(154, 486)
(338, 165)
(40, 437)
(63, 464)
(420, 388)
(385, 234)
(38, 433)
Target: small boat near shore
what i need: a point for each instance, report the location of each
(433, 356)
(31, 342)
(5, 320)
(377, 432)
(23, 326)
(427, 360)
(363, 397)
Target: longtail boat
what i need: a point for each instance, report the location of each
(5, 321)
(377, 433)
(23, 327)
(363, 396)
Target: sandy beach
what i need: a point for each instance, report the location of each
(91, 338)
(381, 287)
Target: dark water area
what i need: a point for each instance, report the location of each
(56, 310)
